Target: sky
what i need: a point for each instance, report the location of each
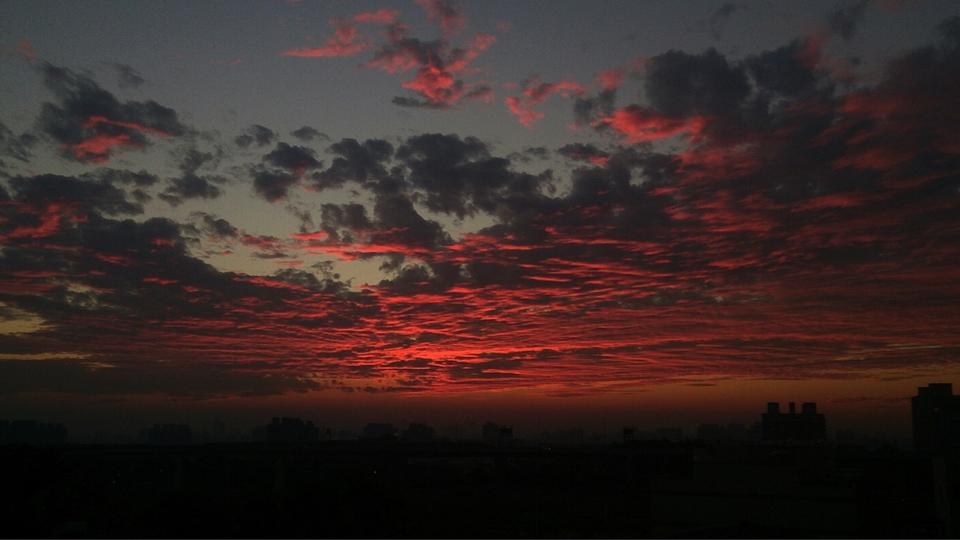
(541, 212)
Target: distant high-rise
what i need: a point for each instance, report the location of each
(936, 418)
(808, 425)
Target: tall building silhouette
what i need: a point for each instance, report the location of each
(808, 425)
(936, 418)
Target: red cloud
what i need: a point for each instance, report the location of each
(438, 67)
(97, 147)
(638, 125)
(535, 93)
(380, 16)
(522, 111)
(159, 281)
(610, 79)
(343, 42)
(95, 121)
(589, 154)
(49, 216)
(346, 39)
(316, 235)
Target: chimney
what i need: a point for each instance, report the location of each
(793, 408)
(773, 407)
(809, 408)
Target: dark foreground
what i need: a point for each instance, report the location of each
(400, 489)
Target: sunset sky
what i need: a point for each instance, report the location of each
(538, 211)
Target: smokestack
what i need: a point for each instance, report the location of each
(793, 408)
(773, 407)
(809, 408)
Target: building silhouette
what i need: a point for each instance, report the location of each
(31, 432)
(497, 435)
(726, 432)
(417, 432)
(669, 434)
(165, 434)
(379, 431)
(573, 436)
(936, 418)
(808, 425)
(287, 430)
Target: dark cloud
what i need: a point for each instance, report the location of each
(475, 92)
(273, 185)
(350, 216)
(400, 222)
(191, 184)
(193, 159)
(459, 176)
(127, 76)
(16, 146)
(292, 158)
(414, 103)
(395, 229)
(255, 134)
(216, 226)
(845, 20)
(949, 28)
(308, 134)
(529, 154)
(310, 281)
(588, 109)
(289, 165)
(681, 84)
(782, 70)
(89, 123)
(584, 152)
(72, 194)
(302, 214)
(141, 178)
(538, 152)
(355, 162)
